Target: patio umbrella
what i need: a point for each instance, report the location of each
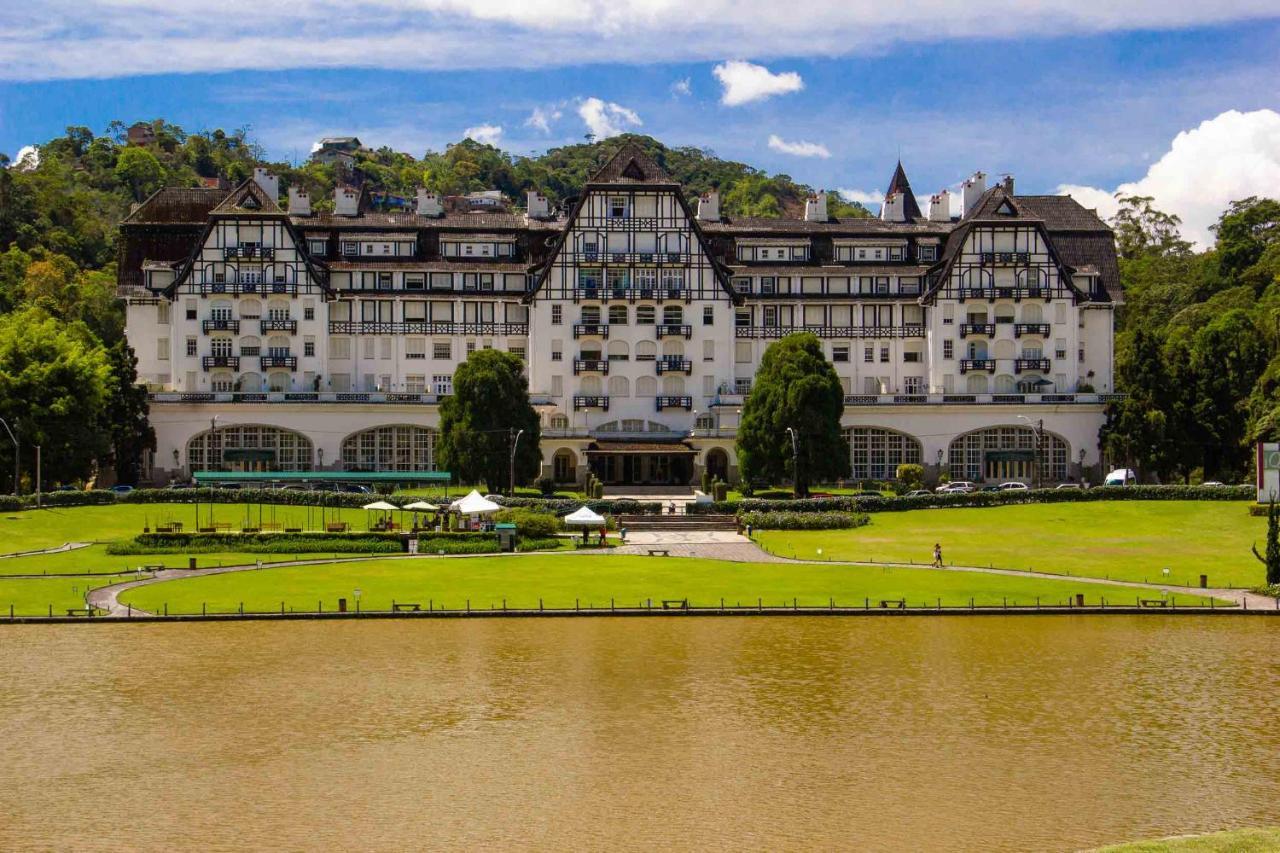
(381, 506)
(420, 506)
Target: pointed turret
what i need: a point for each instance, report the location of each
(899, 185)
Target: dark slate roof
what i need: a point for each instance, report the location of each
(630, 165)
(850, 227)
(899, 184)
(1062, 213)
(248, 199)
(855, 270)
(178, 205)
(484, 222)
(1082, 249)
(433, 266)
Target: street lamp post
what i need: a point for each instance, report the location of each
(515, 442)
(795, 460)
(14, 439)
(1038, 427)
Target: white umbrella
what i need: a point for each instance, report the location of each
(383, 505)
(422, 506)
(584, 516)
(474, 504)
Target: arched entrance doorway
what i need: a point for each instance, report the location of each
(564, 466)
(717, 464)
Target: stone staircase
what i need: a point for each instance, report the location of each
(677, 523)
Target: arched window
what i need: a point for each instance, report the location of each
(1008, 453)
(221, 381)
(618, 315)
(646, 386)
(1003, 349)
(250, 345)
(1004, 384)
(279, 381)
(390, 448)
(277, 345)
(875, 453)
(220, 346)
(278, 309)
(1033, 279)
(717, 463)
(977, 349)
(564, 466)
(646, 351)
(976, 383)
(619, 386)
(220, 309)
(645, 315)
(558, 421)
(250, 383)
(249, 448)
(590, 386)
(672, 348)
(250, 309)
(976, 278)
(672, 315)
(618, 351)
(1032, 313)
(673, 386)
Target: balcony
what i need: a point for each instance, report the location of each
(626, 258)
(424, 327)
(972, 365)
(220, 325)
(278, 324)
(229, 361)
(591, 330)
(685, 403)
(591, 402)
(1021, 365)
(279, 362)
(1020, 329)
(674, 365)
(590, 365)
(295, 397)
(673, 330)
(967, 329)
(909, 330)
(1004, 258)
(237, 287)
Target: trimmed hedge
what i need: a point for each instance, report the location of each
(804, 520)
(981, 499)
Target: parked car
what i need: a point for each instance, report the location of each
(355, 488)
(957, 486)
(66, 489)
(868, 495)
(991, 489)
(1212, 483)
(122, 489)
(916, 493)
(1012, 486)
(226, 485)
(1121, 477)
(181, 486)
(1067, 486)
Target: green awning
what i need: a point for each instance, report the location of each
(244, 454)
(322, 476)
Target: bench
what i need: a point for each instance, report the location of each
(893, 604)
(397, 607)
(81, 611)
(675, 604)
(271, 526)
(293, 530)
(249, 530)
(152, 567)
(1153, 602)
(336, 527)
(653, 552)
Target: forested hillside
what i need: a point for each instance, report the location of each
(1198, 347)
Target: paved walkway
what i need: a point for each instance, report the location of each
(66, 546)
(713, 545)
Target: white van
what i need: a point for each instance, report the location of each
(1121, 477)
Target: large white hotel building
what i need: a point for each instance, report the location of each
(277, 338)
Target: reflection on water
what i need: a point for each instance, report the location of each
(1009, 733)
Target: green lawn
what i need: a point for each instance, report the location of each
(34, 596)
(1128, 540)
(1235, 841)
(593, 579)
(96, 560)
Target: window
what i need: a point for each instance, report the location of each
(708, 315)
(869, 354)
(884, 352)
(350, 247)
(309, 347)
(162, 313)
(517, 350)
(442, 384)
(340, 348)
(927, 253)
(742, 285)
(840, 352)
(617, 208)
(309, 312)
(557, 315)
(877, 453)
(191, 309)
(948, 349)
(415, 348)
(191, 346)
(415, 281)
(895, 253)
(742, 352)
(618, 315)
(948, 314)
(768, 285)
(162, 349)
(742, 318)
(442, 350)
(913, 384)
(645, 315)
(708, 350)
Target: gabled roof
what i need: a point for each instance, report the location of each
(177, 205)
(899, 184)
(248, 199)
(630, 165)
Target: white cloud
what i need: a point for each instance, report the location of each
(542, 117)
(744, 82)
(485, 134)
(798, 148)
(28, 157)
(605, 118)
(682, 87)
(862, 196)
(109, 38)
(1229, 157)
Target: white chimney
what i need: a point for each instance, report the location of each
(270, 183)
(894, 208)
(972, 190)
(429, 203)
(299, 202)
(709, 206)
(536, 205)
(346, 201)
(1008, 184)
(940, 207)
(815, 208)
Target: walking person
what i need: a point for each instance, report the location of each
(937, 555)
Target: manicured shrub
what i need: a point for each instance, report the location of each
(910, 477)
(530, 523)
(804, 520)
(546, 486)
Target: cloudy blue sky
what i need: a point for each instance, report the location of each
(1178, 99)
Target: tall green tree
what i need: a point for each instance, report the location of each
(140, 171)
(1244, 232)
(490, 402)
(1142, 230)
(1272, 560)
(125, 413)
(1227, 357)
(54, 381)
(1138, 430)
(795, 387)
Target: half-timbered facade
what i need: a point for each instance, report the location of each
(284, 338)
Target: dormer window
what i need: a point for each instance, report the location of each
(617, 208)
(927, 253)
(318, 247)
(1006, 209)
(895, 253)
(350, 248)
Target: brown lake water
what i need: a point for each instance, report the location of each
(950, 733)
